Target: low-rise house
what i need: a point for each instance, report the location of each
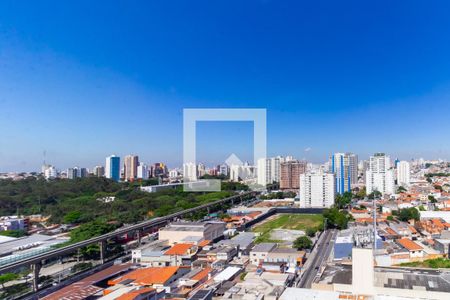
(259, 252)
(443, 246)
(181, 254)
(152, 255)
(243, 242)
(221, 253)
(415, 250)
(291, 257)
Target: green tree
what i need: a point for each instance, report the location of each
(407, 214)
(72, 217)
(342, 201)
(432, 199)
(14, 233)
(302, 243)
(335, 218)
(310, 232)
(390, 218)
(401, 189)
(4, 278)
(374, 194)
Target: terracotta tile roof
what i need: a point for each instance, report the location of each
(148, 276)
(204, 243)
(390, 231)
(179, 249)
(202, 274)
(134, 294)
(408, 244)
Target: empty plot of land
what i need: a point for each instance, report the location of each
(286, 221)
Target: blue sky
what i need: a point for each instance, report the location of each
(84, 79)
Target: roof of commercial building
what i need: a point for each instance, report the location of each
(179, 249)
(408, 244)
(135, 294)
(84, 288)
(264, 247)
(148, 276)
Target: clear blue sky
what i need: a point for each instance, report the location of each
(85, 79)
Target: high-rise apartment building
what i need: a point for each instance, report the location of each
(142, 171)
(112, 167)
(403, 173)
(317, 189)
(190, 172)
(344, 166)
(380, 176)
(130, 166)
(50, 172)
(269, 170)
(99, 171)
(290, 174)
(223, 170)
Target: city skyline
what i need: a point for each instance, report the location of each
(71, 87)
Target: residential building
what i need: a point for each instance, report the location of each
(380, 176)
(142, 171)
(130, 166)
(50, 172)
(290, 174)
(189, 172)
(112, 167)
(259, 253)
(317, 189)
(403, 173)
(269, 170)
(344, 166)
(241, 172)
(223, 170)
(99, 171)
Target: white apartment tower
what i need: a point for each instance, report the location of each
(317, 189)
(189, 172)
(380, 176)
(142, 171)
(403, 173)
(269, 170)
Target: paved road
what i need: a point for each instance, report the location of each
(318, 256)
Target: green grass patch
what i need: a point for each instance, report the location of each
(287, 221)
(437, 263)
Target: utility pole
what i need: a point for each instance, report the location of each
(374, 221)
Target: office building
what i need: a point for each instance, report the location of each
(403, 173)
(290, 174)
(142, 171)
(380, 176)
(201, 170)
(112, 167)
(317, 189)
(344, 166)
(130, 166)
(159, 170)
